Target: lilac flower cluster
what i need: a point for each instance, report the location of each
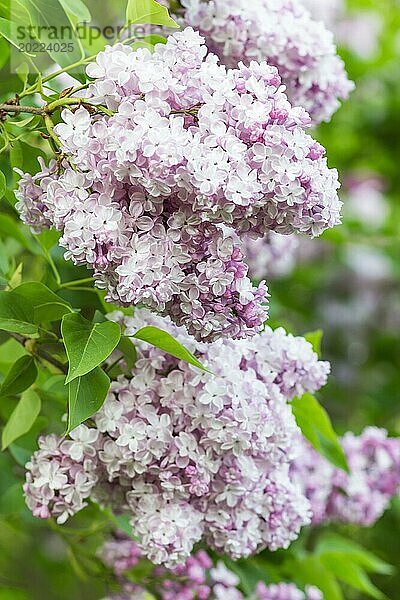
(360, 497)
(193, 157)
(197, 578)
(62, 474)
(283, 33)
(191, 455)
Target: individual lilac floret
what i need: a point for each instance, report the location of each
(283, 33)
(194, 157)
(360, 497)
(190, 456)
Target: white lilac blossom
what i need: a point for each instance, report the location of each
(191, 455)
(195, 156)
(196, 578)
(283, 33)
(360, 497)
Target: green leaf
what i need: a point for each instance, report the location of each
(48, 17)
(48, 239)
(331, 542)
(3, 184)
(87, 344)
(9, 32)
(45, 304)
(86, 396)
(13, 229)
(78, 9)
(13, 594)
(309, 570)
(12, 501)
(350, 573)
(51, 311)
(22, 418)
(148, 12)
(20, 377)
(15, 316)
(16, 277)
(128, 350)
(316, 426)
(315, 339)
(4, 52)
(163, 340)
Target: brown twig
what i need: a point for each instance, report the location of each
(38, 352)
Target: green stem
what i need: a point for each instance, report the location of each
(75, 283)
(53, 266)
(51, 76)
(13, 108)
(113, 364)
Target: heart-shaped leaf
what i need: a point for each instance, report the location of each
(86, 396)
(87, 344)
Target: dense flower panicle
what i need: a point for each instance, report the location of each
(374, 462)
(196, 578)
(360, 497)
(190, 455)
(194, 156)
(283, 33)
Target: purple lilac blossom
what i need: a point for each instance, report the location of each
(190, 455)
(195, 156)
(196, 578)
(360, 497)
(283, 33)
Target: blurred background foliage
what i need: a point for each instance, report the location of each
(346, 283)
